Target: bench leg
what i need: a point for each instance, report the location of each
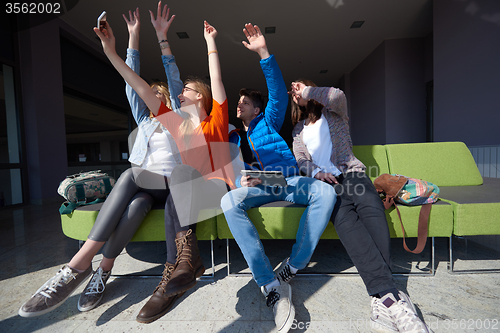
(432, 270)
(451, 266)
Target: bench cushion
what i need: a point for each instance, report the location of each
(78, 224)
(477, 208)
(280, 220)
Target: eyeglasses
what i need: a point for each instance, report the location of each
(189, 89)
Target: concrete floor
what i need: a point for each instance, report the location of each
(33, 248)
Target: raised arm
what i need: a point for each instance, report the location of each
(218, 92)
(134, 80)
(332, 98)
(137, 105)
(161, 24)
(277, 92)
(134, 27)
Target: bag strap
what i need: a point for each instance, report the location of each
(68, 207)
(423, 226)
(80, 193)
(107, 185)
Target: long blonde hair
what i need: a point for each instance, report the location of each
(201, 86)
(312, 110)
(163, 88)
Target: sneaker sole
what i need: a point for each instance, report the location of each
(82, 309)
(39, 313)
(377, 327)
(291, 316)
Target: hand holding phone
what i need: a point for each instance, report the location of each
(101, 21)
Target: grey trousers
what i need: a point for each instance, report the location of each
(122, 213)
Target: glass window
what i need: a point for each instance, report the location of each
(10, 173)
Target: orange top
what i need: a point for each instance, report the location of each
(208, 149)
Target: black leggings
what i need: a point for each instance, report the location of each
(189, 193)
(122, 213)
(360, 222)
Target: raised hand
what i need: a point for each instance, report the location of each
(256, 40)
(133, 22)
(107, 38)
(209, 31)
(298, 88)
(162, 21)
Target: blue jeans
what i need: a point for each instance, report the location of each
(319, 198)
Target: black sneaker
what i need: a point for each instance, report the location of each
(283, 272)
(54, 292)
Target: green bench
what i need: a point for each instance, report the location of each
(468, 206)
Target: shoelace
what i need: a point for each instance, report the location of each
(272, 298)
(167, 273)
(286, 274)
(379, 310)
(49, 287)
(406, 319)
(96, 282)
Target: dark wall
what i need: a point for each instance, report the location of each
(367, 99)
(405, 114)
(467, 71)
(387, 94)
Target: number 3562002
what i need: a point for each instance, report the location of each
(33, 8)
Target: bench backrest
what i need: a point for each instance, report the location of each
(374, 157)
(441, 163)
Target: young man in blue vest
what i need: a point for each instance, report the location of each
(264, 149)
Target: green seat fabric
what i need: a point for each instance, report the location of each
(441, 163)
(374, 158)
(78, 224)
(440, 220)
(280, 220)
(477, 208)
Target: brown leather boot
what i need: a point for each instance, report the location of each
(159, 303)
(189, 264)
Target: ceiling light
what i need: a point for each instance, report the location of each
(357, 24)
(182, 35)
(270, 30)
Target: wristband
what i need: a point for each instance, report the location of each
(164, 46)
(214, 51)
(162, 41)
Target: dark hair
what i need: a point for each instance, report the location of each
(312, 110)
(255, 96)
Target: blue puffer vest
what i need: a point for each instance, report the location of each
(269, 148)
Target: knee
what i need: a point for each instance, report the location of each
(232, 199)
(225, 202)
(141, 203)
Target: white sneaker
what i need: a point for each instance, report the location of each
(280, 299)
(405, 316)
(381, 320)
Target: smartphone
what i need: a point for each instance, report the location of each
(101, 21)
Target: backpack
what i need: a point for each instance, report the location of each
(411, 192)
(84, 188)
